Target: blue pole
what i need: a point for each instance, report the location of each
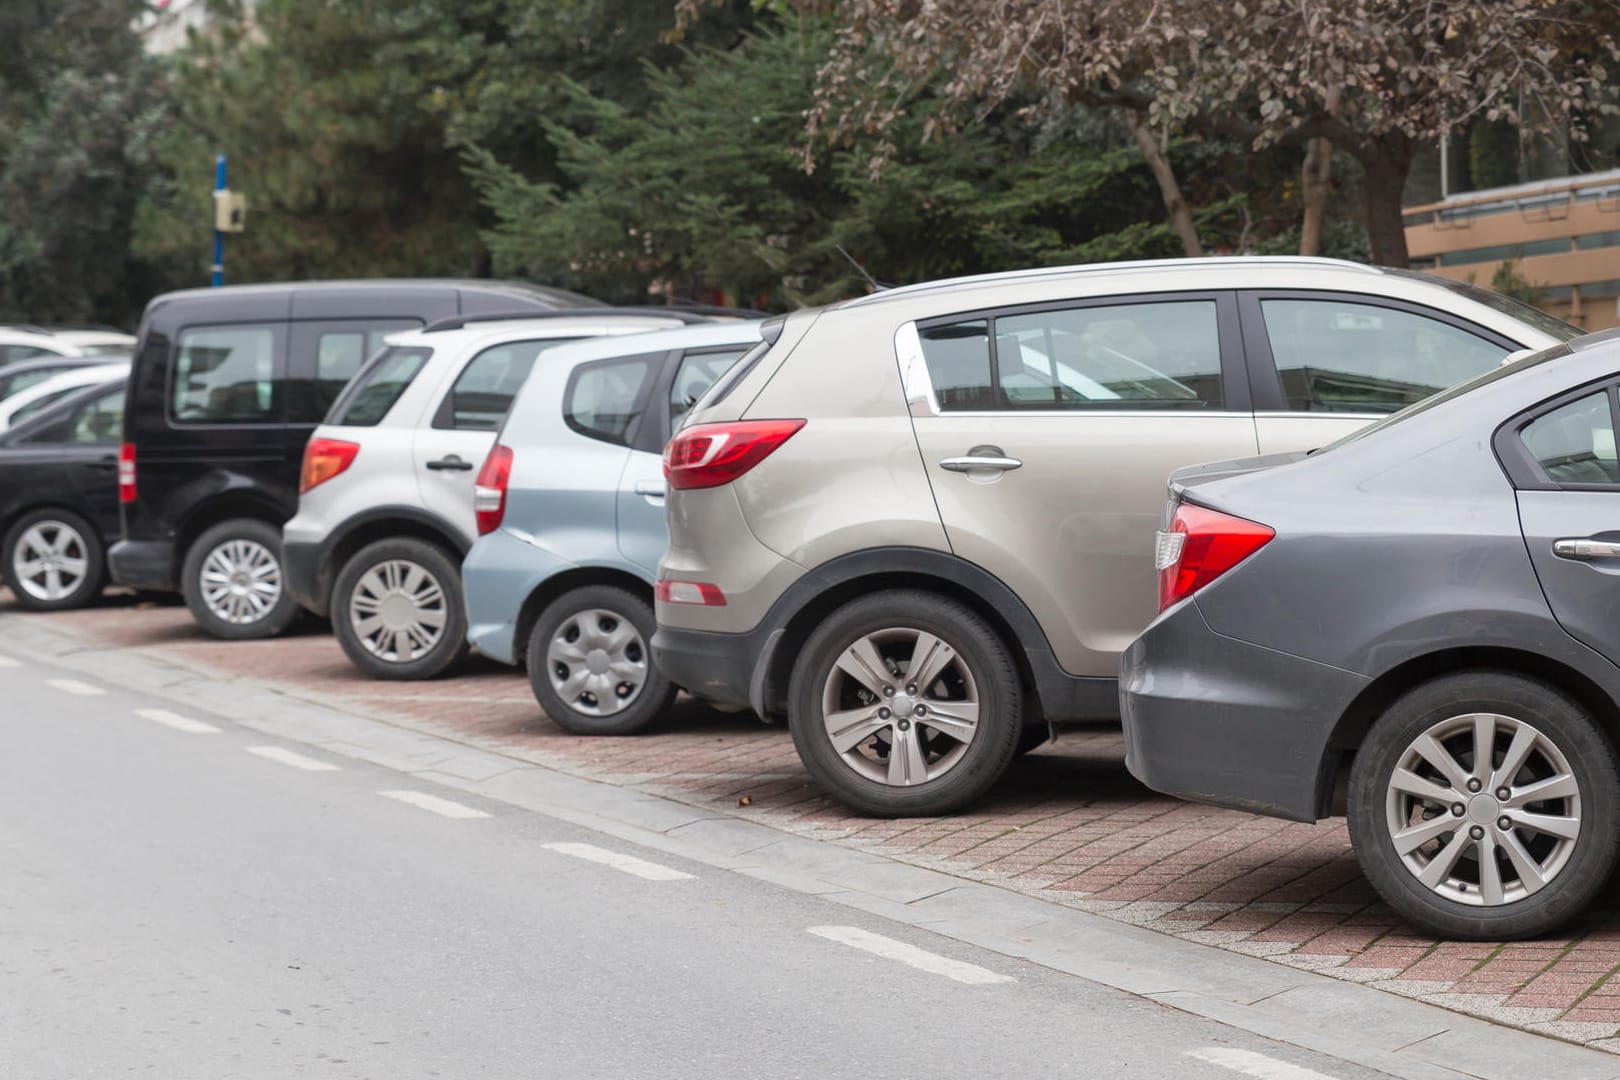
(219, 237)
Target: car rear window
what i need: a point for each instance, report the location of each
(378, 385)
(483, 392)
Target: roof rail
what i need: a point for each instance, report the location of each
(683, 314)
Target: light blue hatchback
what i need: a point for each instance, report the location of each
(571, 520)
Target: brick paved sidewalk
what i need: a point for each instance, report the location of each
(1068, 824)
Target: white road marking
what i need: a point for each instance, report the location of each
(1250, 1063)
(176, 721)
(74, 686)
(434, 803)
(629, 864)
(287, 757)
(890, 949)
(8, 662)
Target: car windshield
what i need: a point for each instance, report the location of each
(1506, 370)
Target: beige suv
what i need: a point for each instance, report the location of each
(919, 525)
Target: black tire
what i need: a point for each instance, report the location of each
(985, 757)
(560, 618)
(1574, 734)
(88, 546)
(371, 655)
(279, 613)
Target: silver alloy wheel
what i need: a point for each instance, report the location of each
(1483, 809)
(597, 662)
(900, 706)
(51, 560)
(398, 610)
(241, 581)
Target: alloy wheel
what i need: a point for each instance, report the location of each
(597, 662)
(900, 706)
(51, 560)
(241, 581)
(398, 611)
(1483, 809)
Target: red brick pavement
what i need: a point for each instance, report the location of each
(1069, 824)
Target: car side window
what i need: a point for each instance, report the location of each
(340, 352)
(481, 395)
(1337, 355)
(1574, 444)
(99, 422)
(605, 399)
(696, 372)
(374, 391)
(22, 380)
(958, 359)
(224, 374)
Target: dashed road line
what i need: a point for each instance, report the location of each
(921, 959)
(443, 807)
(1256, 1065)
(176, 721)
(629, 864)
(287, 757)
(74, 686)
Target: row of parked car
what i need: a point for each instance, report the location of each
(918, 528)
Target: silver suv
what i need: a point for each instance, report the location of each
(385, 510)
(918, 525)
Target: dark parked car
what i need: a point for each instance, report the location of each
(59, 499)
(226, 387)
(1417, 627)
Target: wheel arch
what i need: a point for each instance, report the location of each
(1353, 726)
(575, 577)
(227, 506)
(384, 523)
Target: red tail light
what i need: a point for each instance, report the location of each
(708, 455)
(126, 473)
(489, 495)
(1200, 546)
(324, 459)
(689, 592)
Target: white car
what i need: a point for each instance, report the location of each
(42, 343)
(25, 403)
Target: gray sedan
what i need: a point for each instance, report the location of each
(1417, 627)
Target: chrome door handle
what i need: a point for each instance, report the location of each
(650, 488)
(1586, 549)
(967, 464)
(451, 463)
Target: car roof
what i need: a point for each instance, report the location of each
(19, 367)
(706, 335)
(503, 329)
(517, 289)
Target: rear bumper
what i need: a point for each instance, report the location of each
(308, 577)
(715, 667)
(143, 564)
(498, 576)
(1217, 720)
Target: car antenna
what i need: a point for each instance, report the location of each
(859, 269)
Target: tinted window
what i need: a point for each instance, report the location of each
(693, 377)
(40, 404)
(958, 359)
(225, 374)
(1130, 356)
(1340, 356)
(1574, 444)
(484, 390)
(101, 421)
(22, 380)
(605, 398)
(340, 353)
(378, 387)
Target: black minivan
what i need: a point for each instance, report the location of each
(225, 388)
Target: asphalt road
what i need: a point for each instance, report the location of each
(184, 898)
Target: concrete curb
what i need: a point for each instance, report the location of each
(1355, 1023)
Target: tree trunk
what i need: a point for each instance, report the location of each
(1176, 206)
(1316, 182)
(1385, 163)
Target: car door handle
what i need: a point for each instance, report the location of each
(451, 463)
(1586, 549)
(980, 461)
(653, 489)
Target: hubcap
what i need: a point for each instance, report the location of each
(51, 560)
(1483, 809)
(398, 611)
(597, 662)
(241, 581)
(900, 706)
